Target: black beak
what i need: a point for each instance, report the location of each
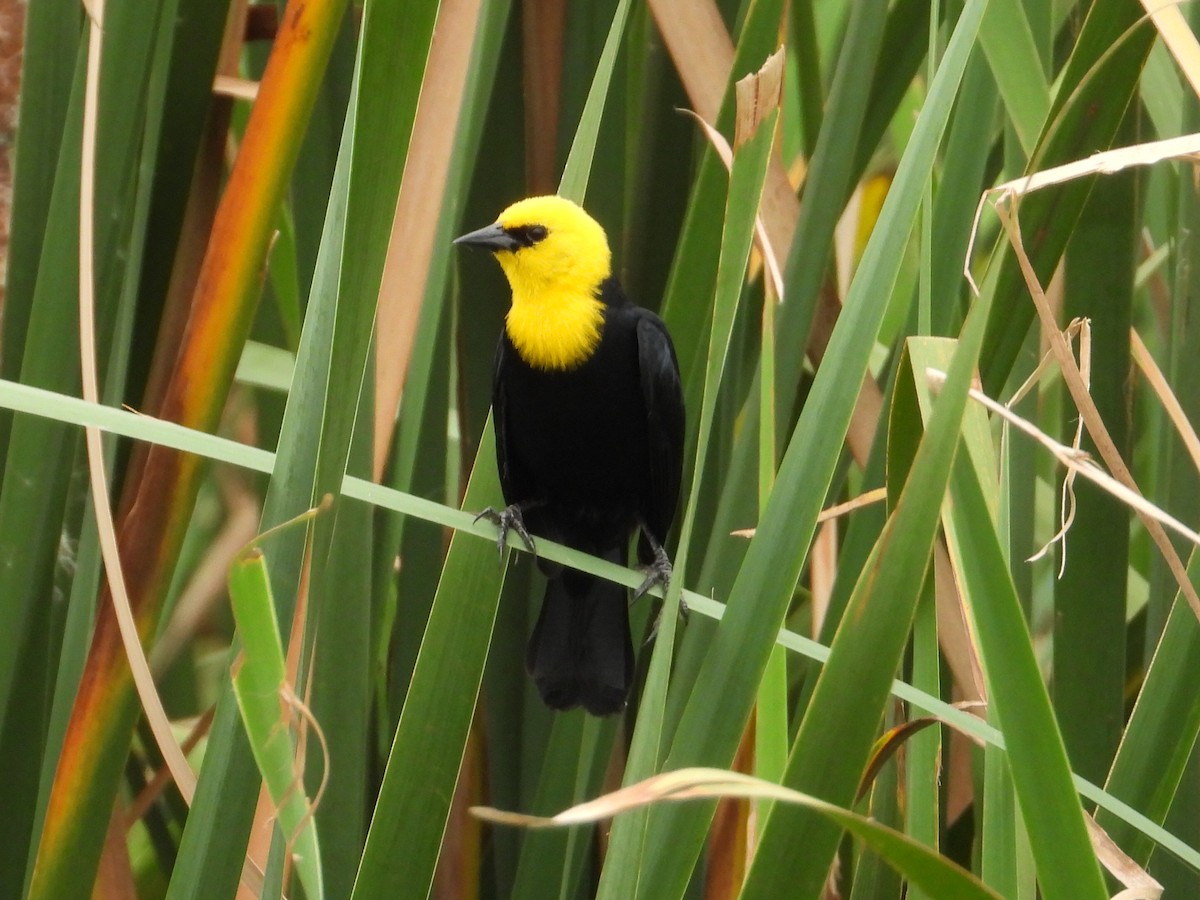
(493, 238)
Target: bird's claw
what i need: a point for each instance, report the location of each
(683, 614)
(504, 519)
(657, 573)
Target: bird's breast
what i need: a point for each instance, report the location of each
(554, 331)
(581, 433)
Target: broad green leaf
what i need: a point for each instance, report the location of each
(833, 745)
(401, 847)
(1008, 42)
(747, 178)
(1094, 91)
(33, 401)
(1161, 733)
(759, 598)
(212, 848)
(271, 713)
(1090, 596)
(1018, 699)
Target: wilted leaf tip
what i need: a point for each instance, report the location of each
(758, 95)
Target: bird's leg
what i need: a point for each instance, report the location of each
(658, 572)
(504, 519)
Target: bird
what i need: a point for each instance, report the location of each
(589, 420)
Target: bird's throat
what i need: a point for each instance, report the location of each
(554, 331)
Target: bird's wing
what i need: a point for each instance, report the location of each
(512, 481)
(663, 396)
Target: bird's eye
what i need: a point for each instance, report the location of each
(527, 235)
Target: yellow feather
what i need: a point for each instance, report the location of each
(556, 316)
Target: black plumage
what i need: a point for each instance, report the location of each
(588, 455)
(589, 423)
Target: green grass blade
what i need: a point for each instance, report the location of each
(806, 263)
(923, 760)
(1094, 90)
(747, 178)
(341, 675)
(268, 711)
(551, 862)
(331, 361)
(51, 44)
(733, 666)
(964, 165)
(833, 745)
(1090, 597)
(998, 842)
(1162, 730)
(1018, 699)
(41, 458)
(1007, 40)
(830, 180)
(177, 96)
(28, 400)
(402, 847)
(213, 844)
(579, 161)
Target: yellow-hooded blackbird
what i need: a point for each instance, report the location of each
(589, 424)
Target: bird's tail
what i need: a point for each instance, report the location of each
(580, 652)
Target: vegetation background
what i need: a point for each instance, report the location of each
(231, 292)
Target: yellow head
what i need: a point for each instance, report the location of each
(555, 257)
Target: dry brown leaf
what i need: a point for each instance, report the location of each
(162, 777)
(237, 88)
(1178, 37)
(731, 837)
(1088, 412)
(955, 636)
(156, 716)
(406, 267)
(761, 239)
(1145, 362)
(1104, 163)
(683, 784)
(1066, 512)
(894, 738)
(867, 498)
(1138, 883)
(822, 575)
(1078, 461)
(114, 877)
(702, 52)
(1011, 193)
(758, 95)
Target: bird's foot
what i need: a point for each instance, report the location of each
(683, 615)
(657, 572)
(508, 518)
